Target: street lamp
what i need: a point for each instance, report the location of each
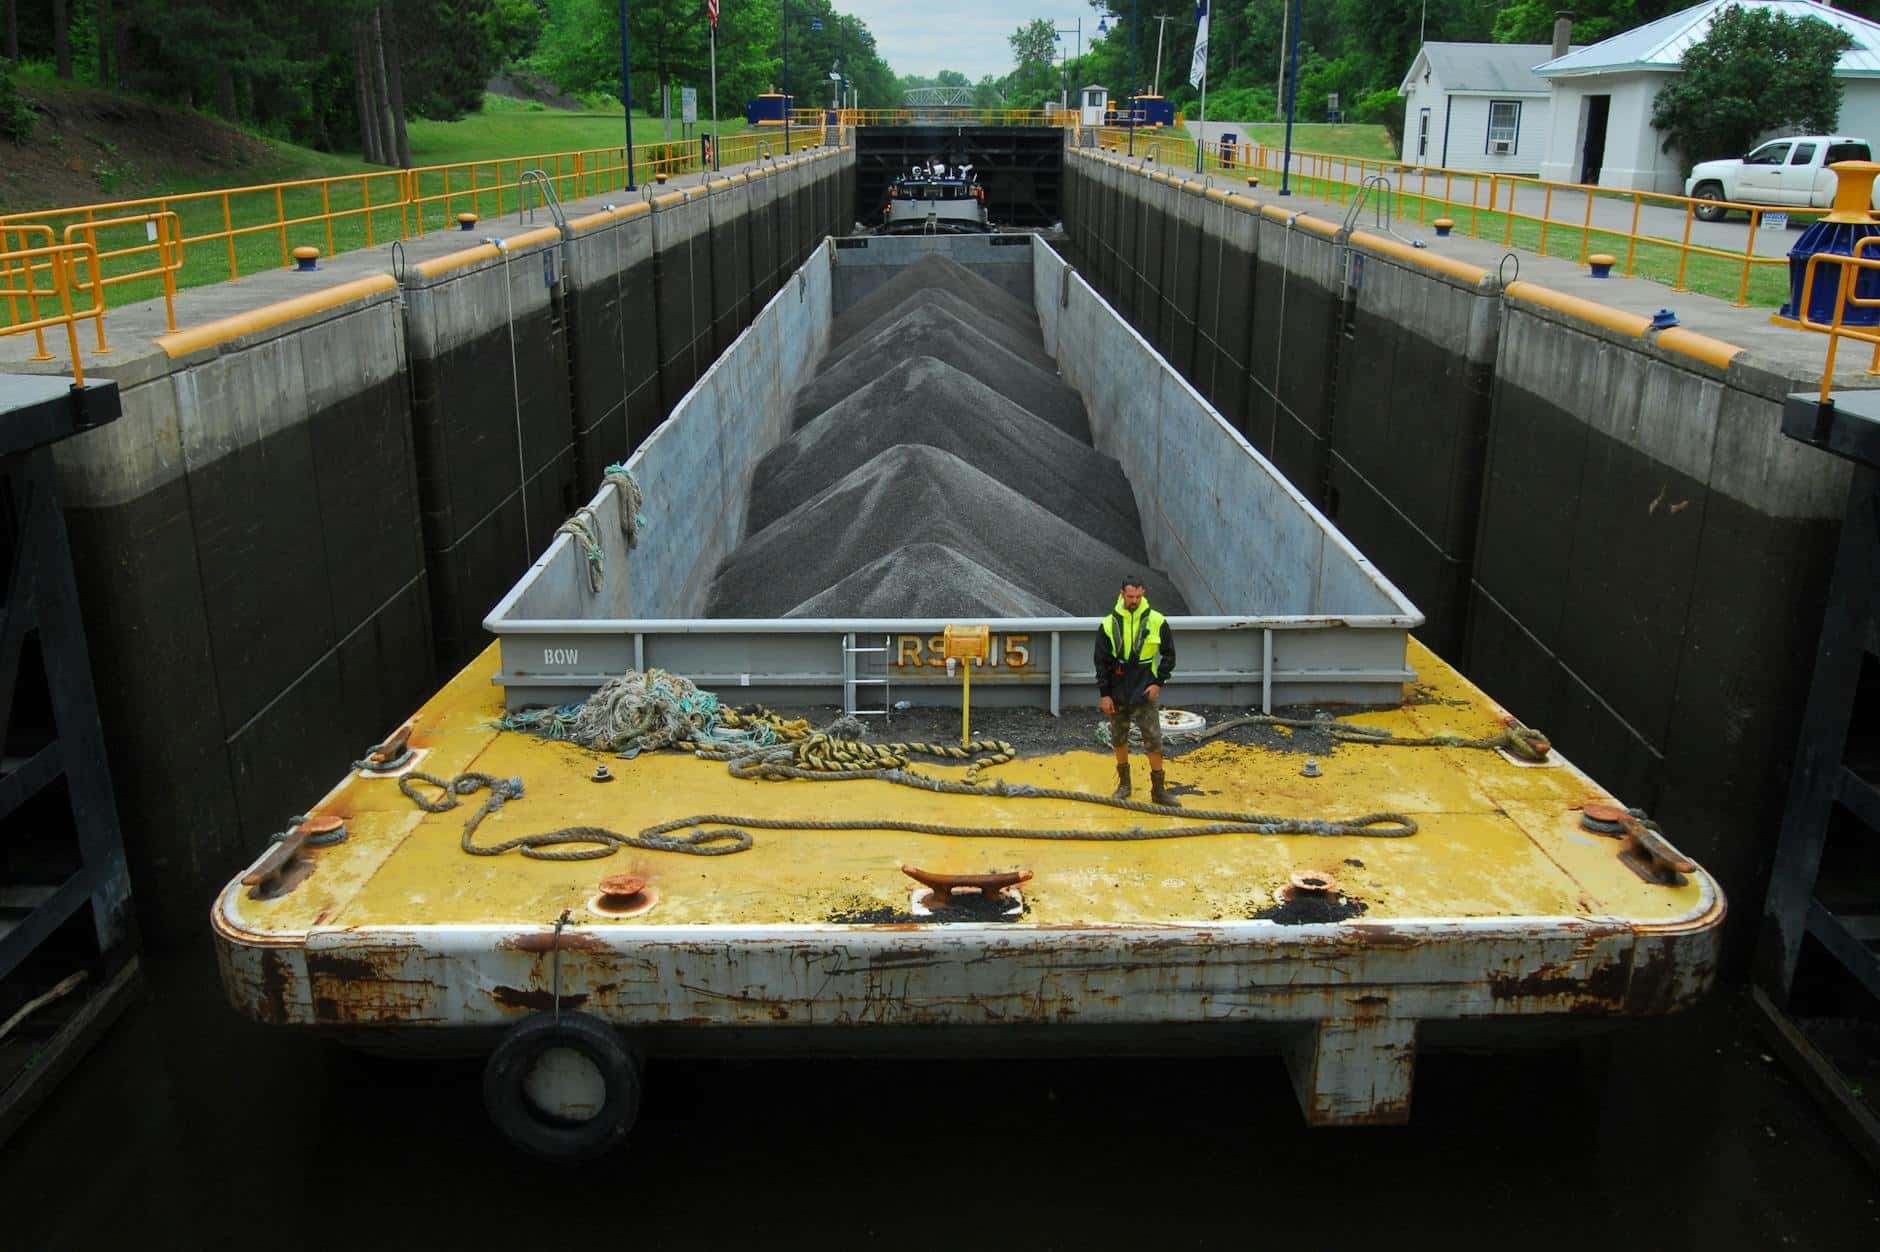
(788, 99)
(1292, 96)
(1103, 28)
(1059, 36)
(626, 91)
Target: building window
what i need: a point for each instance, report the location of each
(1504, 126)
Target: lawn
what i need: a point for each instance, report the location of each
(283, 197)
(1338, 180)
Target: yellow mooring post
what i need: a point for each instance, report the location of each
(966, 644)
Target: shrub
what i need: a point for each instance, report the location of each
(16, 115)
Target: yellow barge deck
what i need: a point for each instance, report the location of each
(1501, 905)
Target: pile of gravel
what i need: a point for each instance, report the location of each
(910, 494)
(928, 402)
(936, 273)
(935, 329)
(924, 580)
(938, 467)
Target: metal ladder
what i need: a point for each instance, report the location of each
(525, 212)
(865, 668)
(1377, 190)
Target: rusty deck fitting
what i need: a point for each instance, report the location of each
(1315, 882)
(623, 895)
(393, 753)
(944, 885)
(273, 866)
(1650, 855)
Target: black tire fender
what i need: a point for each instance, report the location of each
(542, 1134)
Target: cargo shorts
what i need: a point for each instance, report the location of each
(1148, 720)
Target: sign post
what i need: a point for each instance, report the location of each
(964, 645)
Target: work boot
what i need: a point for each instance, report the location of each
(1158, 790)
(1122, 782)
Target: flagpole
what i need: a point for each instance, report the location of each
(1201, 138)
(716, 137)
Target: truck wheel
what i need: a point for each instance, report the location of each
(1708, 212)
(565, 1088)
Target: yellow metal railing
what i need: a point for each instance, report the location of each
(1486, 205)
(193, 238)
(33, 274)
(1847, 279)
(960, 117)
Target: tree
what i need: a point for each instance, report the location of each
(1756, 71)
(1033, 46)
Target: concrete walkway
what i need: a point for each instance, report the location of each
(1797, 355)
(1610, 210)
(132, 329)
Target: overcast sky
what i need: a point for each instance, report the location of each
(925, 36)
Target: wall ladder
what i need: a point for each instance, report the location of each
(865, 675)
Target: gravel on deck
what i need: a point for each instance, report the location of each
(919, 481)
(936, 273)
(928, 402)
(936, 329)
(914, 493)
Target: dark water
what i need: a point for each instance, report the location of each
(190, 1128)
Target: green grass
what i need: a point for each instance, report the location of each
(1340, 139)
(1336, 182)
(492, 147)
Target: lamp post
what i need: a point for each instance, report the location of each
(1061, 32)
(626, 91)
(1292, 97)
(788, 99)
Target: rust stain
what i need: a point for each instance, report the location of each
(346, 968)
(1374, 935)
(540, 942)
(533, 999)
(274, 977)
(1601, 990)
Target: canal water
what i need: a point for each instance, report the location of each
(190, 1127)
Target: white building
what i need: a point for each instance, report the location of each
(1600, 128)
(1476, 106)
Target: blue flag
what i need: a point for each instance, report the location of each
(1198, 70)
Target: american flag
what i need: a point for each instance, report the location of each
(711, 11)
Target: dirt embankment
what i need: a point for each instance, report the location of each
(88, 146)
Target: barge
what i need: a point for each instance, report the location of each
(1379, 858)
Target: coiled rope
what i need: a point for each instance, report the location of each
(1521, 741)
(585, 527)
(655, 709)
(718, 834)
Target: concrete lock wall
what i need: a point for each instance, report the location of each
(1513, 462)
(1650, 570)
(493, 419)
(306, 510)
(612, 362)
(246, 539)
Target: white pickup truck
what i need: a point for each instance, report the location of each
(1787, 173)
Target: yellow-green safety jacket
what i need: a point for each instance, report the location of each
(1134, 652)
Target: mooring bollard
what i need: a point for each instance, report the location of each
(1601, 263)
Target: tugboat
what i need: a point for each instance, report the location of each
(934, 198)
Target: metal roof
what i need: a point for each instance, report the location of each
(1488, 67)
(1659, 46)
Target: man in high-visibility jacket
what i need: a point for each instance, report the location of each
(1135, 657)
